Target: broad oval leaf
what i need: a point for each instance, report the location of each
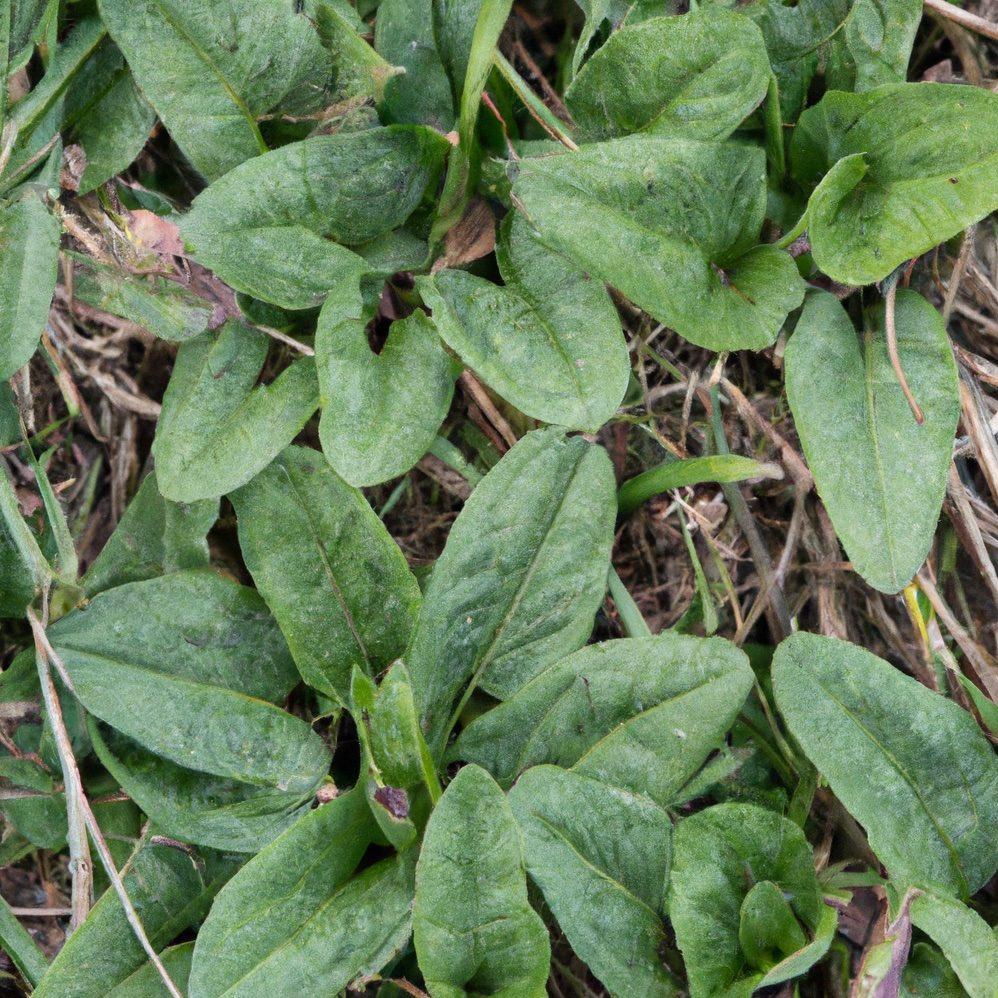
(193, 806)
(548, 340)
(194, 624)
(211, 70)
(908, 166)
(218, 428)
(337, 583)
(601, 857)
(171, 891)
(520, 579)
(380, 412)
(29, 259)
(176, 664)
(294, 916)
(473, 927)
(967, 941)
(719, 855)
(672, 224)
(404, 36)
(272, 227)
(697, 76)
(881, 475)
(898, 756)
(874, 44)
(638, 713)
(106, 116)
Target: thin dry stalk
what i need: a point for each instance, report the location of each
(79, 814)
(892, 349)
(965, 18)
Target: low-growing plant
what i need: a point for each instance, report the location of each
(347, 774)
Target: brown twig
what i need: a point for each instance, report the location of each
(80, 864)
(480, 396)
(79, 814)
(890, 329)
(964, 17)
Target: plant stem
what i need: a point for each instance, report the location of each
(890, 330)
(79, 815)
(631, 619)
(963, 17)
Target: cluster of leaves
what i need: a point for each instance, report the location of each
(506, 777)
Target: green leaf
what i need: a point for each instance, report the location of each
(768, 930)
(146, 982)
(360, 73)
(697, 77)
(272, 226)
(177, 663)
(217, 430)
(898, 756)
(720, 856)
(394, 755)
(967, 941)
(211, 70)
(23, 561)
(881, 475)
(671, 224)
(380, 412)
(690, 471)
(19, 945)
(637, 713)
(171, 891)
(335, 580)
(601, 857)
(474, 930)
(29, 257)
(906, 167)
(167, 309)
(192, 806)
(467, 33)
(929, 973)
(37, 118)
(154, 537)
(548, 340)
(294, 914)
(106, 116)
(391, 727)
(404, 36)
(521, 577)
(874, 44)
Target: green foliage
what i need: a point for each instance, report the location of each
(29, 250)
(474, 929)
(742, 894)
(380, 412)
(520, 579)
(881, 475)
(327, 754)
(892, 184)
(695, 77)
(601, 857)
(218, 427)
(336, 582)
(548, 318)
(672, 224)
(852, 714)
